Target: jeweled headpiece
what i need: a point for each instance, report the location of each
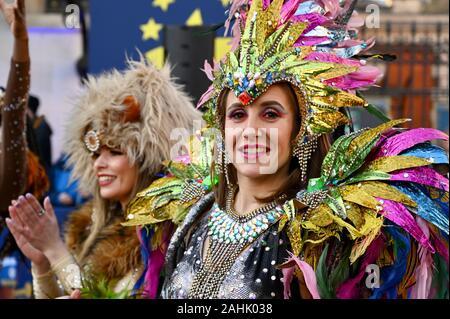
(300, 42)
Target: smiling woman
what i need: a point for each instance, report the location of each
(118, 136)
(116, 176)
(293, 216)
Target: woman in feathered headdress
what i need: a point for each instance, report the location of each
(292, 215)
(117, 137)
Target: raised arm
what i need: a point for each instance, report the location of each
(13, 147)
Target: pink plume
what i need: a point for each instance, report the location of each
(332, 8)
(328, 57)
(184, 159)
(400, 142)
(350, 289)
(152, 276)
(424, 272)
(422, 175)
(288, 10)
(397, 213)
(308, 41)
(207, 68)
(365, 76)
(206, 96)
(308, 274)
(356, 21)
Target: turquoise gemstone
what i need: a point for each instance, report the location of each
(247, 228)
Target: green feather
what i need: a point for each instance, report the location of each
(440, 278)
(322, 276)
(375, 111)
(99, 288)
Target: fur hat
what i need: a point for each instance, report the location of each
(135, 111)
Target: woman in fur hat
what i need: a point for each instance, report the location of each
(118, 135)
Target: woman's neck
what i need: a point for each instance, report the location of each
(250, 189)
(124, 204)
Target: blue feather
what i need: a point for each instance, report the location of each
(146, 235)
(443, 204)
(427, 150)
(426, 207)
(391, 276)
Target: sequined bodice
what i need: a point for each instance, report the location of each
(253, 275)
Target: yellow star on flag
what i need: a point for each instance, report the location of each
(163, 4)
(225, 2)
(195, 19)
(151, 30)
(156, 56)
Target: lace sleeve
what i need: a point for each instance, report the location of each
(45, 286)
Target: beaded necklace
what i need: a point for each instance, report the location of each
(229, 235)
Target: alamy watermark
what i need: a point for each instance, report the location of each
(72, 19)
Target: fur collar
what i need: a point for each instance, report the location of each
(115, 252)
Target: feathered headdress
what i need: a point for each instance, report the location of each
(309, 44)
(134, 111)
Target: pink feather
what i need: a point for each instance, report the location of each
(356, 21)
(308, 274)
(397, 213)
(308, 41)
(288, 10)
(206, 96)
(327, 57)
(156, 263)
(314, 19)
(365, 76)
(424, 272)
(400, 142)
(208, 69)
(332, 8)
(350, 289)
(422, 175)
